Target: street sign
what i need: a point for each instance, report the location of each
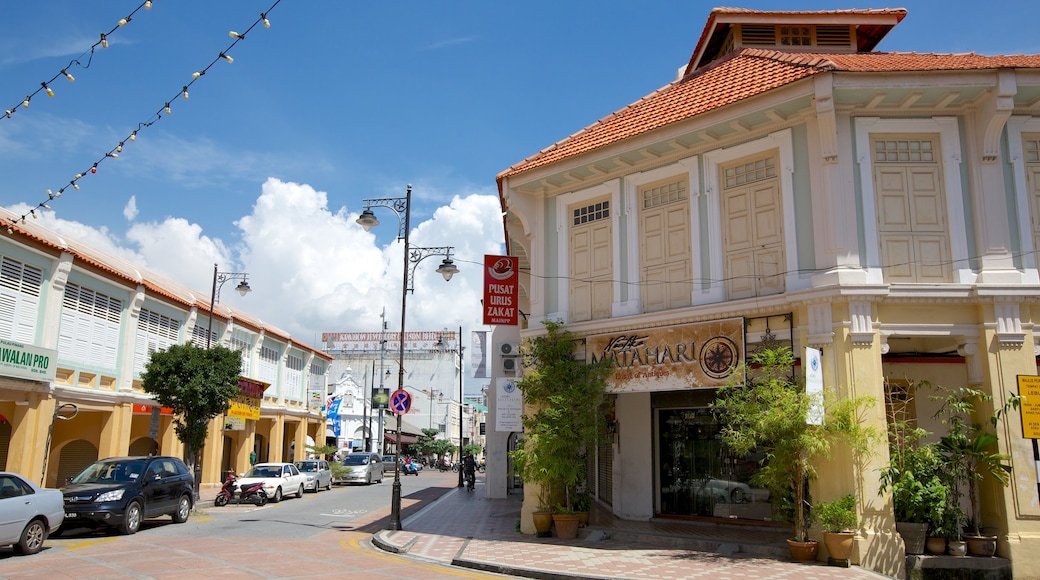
(400, 402)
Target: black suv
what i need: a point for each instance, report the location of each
(122, 491)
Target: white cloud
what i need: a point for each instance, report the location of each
(314, 270)
(130, 209)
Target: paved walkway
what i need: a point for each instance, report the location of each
(466, 529)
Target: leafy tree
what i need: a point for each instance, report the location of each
(197, 383)
(424, 445)
(472, 448)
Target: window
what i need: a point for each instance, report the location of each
(903, 150)
(592, 212)
(20, 286)
(154, 332)
(665, 245)
(795, 36)
(753, 228)
(591, 261)
(89, 331)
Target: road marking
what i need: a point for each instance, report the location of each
(353, 543)
(346, 513)
(88, 543)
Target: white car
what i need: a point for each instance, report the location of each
(279, 479)
(28, 513)
(317, 472)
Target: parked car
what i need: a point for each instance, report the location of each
(317, 472)
(28, 513)
(280, 479)
(364, 468)
(725, 491)
(121, 492)
(389, 462)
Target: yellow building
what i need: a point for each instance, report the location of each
(793, 186)
(76, 329)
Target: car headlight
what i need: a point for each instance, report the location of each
(114, 495)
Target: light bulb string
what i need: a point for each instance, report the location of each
(78, 61)
(114, 152)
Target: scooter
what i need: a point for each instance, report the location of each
(254, 493)
(409, 469)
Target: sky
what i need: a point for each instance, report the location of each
(266, 165)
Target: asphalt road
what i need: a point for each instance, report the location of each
(320, 535)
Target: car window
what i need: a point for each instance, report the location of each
(10, 487)
(356, 459)
(307, 466)
(107, 471)
(264, 471)
(292, 470)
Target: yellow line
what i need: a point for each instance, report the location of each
(353, 543)
(87, 543)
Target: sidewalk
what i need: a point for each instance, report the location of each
(467, 530)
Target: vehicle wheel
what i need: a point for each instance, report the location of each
(277, 495)
(329, 486)
(131, 519)
(261, 499)
(299, 492)
(221, 500)
(737, 495)
(368, 479)
(32, 538)
(183, 510)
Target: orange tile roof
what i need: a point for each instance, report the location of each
(744, 74)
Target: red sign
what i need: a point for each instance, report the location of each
(501, 290)
(147, 410)
(400, 402)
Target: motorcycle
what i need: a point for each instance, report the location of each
(443, 466)
(409, 469)
(254, 493)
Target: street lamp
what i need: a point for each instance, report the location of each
(402, 206)
(218, 280)
(461, 406)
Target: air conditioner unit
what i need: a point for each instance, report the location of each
(509, 349)
(509, 365)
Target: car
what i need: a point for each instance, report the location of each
(28, 513)
(317, 472)
(279, 479)
(389, 462)
(121, 492)
(364, 468)
(725, 491)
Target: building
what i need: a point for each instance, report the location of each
(91, 321)
(792, 186)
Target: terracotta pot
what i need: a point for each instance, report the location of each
(935, 546)
(542, 522)
(984, 546)
(566, 526)
(957, 548)
(583, 519)
(914, 536)
(839, 544)
(803, 551)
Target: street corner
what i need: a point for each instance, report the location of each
(394, 541)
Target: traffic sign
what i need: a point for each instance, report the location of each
(400, 402)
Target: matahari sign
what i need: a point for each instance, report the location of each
(671, 358)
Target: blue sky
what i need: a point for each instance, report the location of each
(265, 166)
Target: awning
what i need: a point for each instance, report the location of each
(405, 439)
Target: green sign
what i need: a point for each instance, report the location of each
(381, 398)
(26, 361)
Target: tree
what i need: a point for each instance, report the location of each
(197, 383)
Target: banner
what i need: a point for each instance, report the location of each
(501, 290)
(509, 406)
(479, 354)
(246, 404)
(27, 361)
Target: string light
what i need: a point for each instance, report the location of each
(234, 34)
(113, 154)
(78, 61)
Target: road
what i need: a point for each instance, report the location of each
(321, 535)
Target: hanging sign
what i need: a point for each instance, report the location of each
(501, 290)
(814, 386)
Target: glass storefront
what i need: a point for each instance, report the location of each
(697, 476)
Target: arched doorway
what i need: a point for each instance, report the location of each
(75, 456)
(144, 446)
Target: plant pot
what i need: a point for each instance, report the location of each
(914, 536)
(566, 526)
(984, 546)
(803, 551)
(935, 546)
(583, 519)
(957, 548)
(542, 522)
(839, 544)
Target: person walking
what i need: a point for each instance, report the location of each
(469, 468)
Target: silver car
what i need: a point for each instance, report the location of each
(28, 513)
(363, 468)
(318, 472)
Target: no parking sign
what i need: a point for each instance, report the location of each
(400, 402)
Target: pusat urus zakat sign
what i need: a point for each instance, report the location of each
(501, 290)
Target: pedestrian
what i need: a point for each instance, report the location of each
(252, 457)
(469, 467)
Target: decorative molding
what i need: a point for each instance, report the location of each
(861, 327)
(970, 351)
(828, 128)
(1003, 106)
(821, 325)
(1009, 325)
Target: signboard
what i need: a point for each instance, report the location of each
(671, 358)
(334, 407)
(246, 404)
(234, 424)
(316, 400)
(380, 398)
(373, 341)
(509, 406)
(137, 409)
(400, 402)
(814, 386)
(1029, 387)
(501, 290)
(25, 361)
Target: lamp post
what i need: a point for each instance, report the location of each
(218, 280)
(461, 405)
(402, 206)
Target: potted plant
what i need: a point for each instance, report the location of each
(768, 414)
(971, 453)
(915, 476)
(839, 520)
(582, 505)
(562, 398)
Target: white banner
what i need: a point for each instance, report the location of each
(814, 386)
(509, 406)
(479, 356)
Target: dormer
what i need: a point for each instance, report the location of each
(827, 31)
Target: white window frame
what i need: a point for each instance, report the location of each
(612, 191)
(24, 307)
(949, 141)
(781, 140)
(1016, 126)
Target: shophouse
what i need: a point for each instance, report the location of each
(92, 320)
(794, 185)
